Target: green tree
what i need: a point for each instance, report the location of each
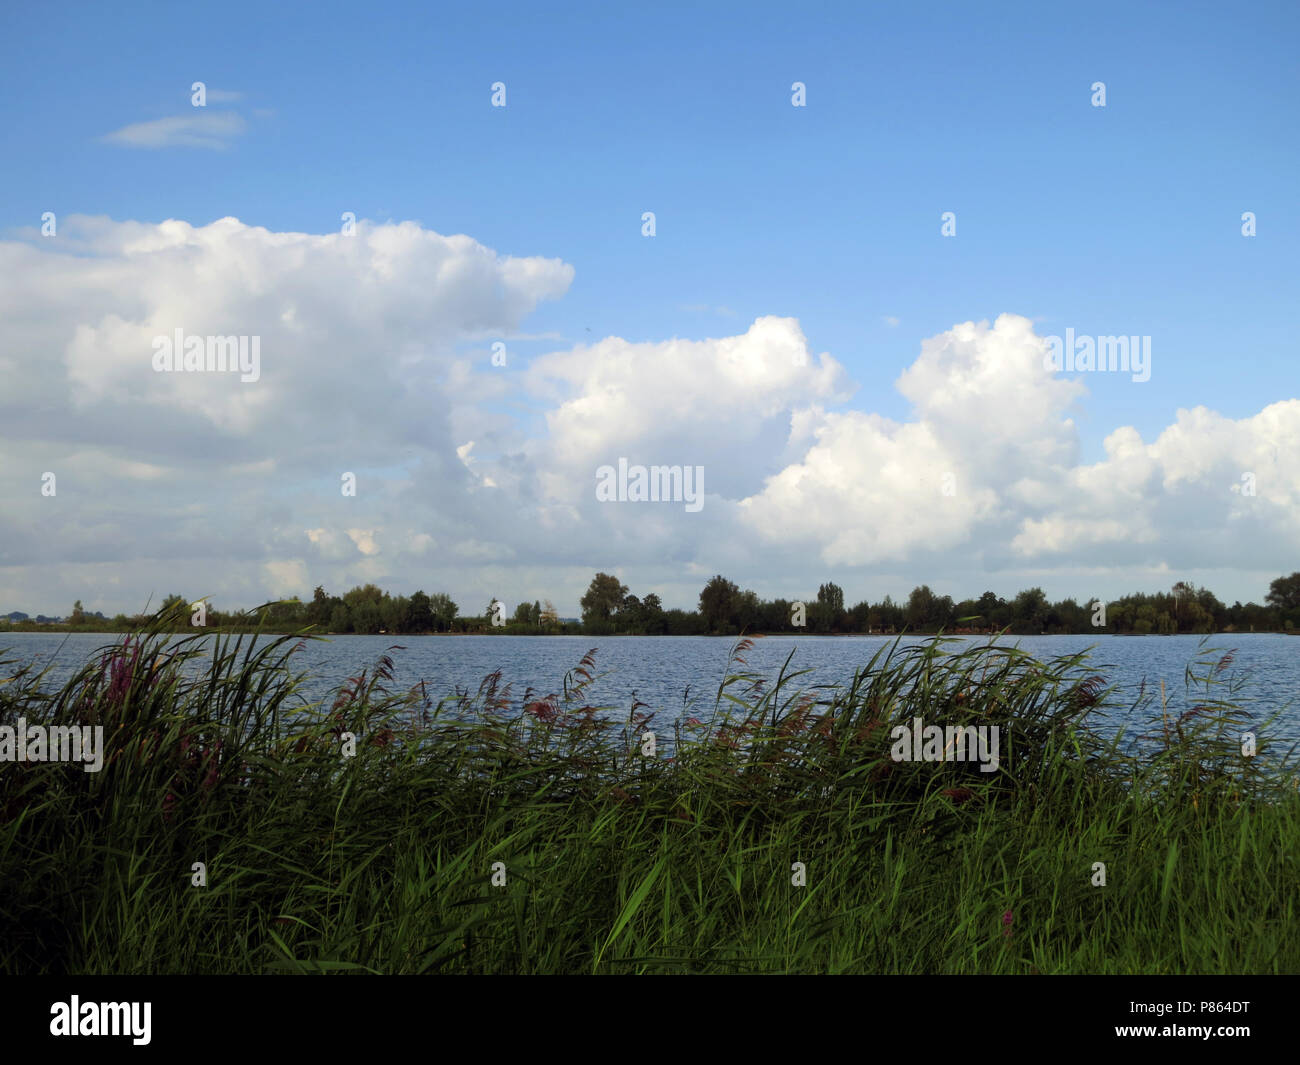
(747, 611)
(443, 610)
(319, 609)
(604, 596)
(392, 613)
(652, 610)
(920, 607)
(365, 617)
(830, 606)
(988, 609)
(1030, 610)
(717, 601)
(1284, 594)
(419, 613)
(831, 595)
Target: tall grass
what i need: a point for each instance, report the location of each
(615, 862)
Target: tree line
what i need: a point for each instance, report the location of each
(608, 608)
(725, 609)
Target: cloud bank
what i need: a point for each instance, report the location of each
(480, 479)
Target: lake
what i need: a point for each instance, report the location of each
(679, 675)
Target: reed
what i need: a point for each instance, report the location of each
(615, 862)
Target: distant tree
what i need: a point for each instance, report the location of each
(717, 601)
(287, 614)
(549, 615)
(942, 613)
(892, 616)
(776, 616)
(629, 614)
(523, 614)
(175, 609)
(988, 608)
(78, 615)
(747, 611)
(535, 618)
(604, 596)
(392, 613)
(1284, 593)
(443, 610)
(920, 607)
(1030, 610)
(365, 616)
(831, 596)
(652, 610)
(683, 623)
(319, 609)
(419, 614)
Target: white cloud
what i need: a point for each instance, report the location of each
(203, 129)
(987, 412)
(286, 577)
(365, 540)
(200, 483)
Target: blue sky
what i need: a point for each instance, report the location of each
(1117, 220)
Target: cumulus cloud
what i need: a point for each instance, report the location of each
(205, 473)
(475, 479)
(988, 468)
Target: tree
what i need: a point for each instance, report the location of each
(987, 608)
(365, 616)
(830, 606)
(319, 609)
(892, 616)
(747, 611)
(419, 614)
(629, 613)
(549, 615)
(604, 596)
(1284, 593)
(717, 601)
(920, 607)
(443, 610)
(831, 596)
(1030, 609)
(523, 614)
(392, 613)
(78, 614)
(286, 614)
(652, 610)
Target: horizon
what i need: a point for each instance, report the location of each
(884, 298)
(808, 598)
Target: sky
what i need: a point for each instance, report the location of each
(430, 221)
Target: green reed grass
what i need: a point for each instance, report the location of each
(382, 862)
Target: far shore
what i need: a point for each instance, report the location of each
(72, 630)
